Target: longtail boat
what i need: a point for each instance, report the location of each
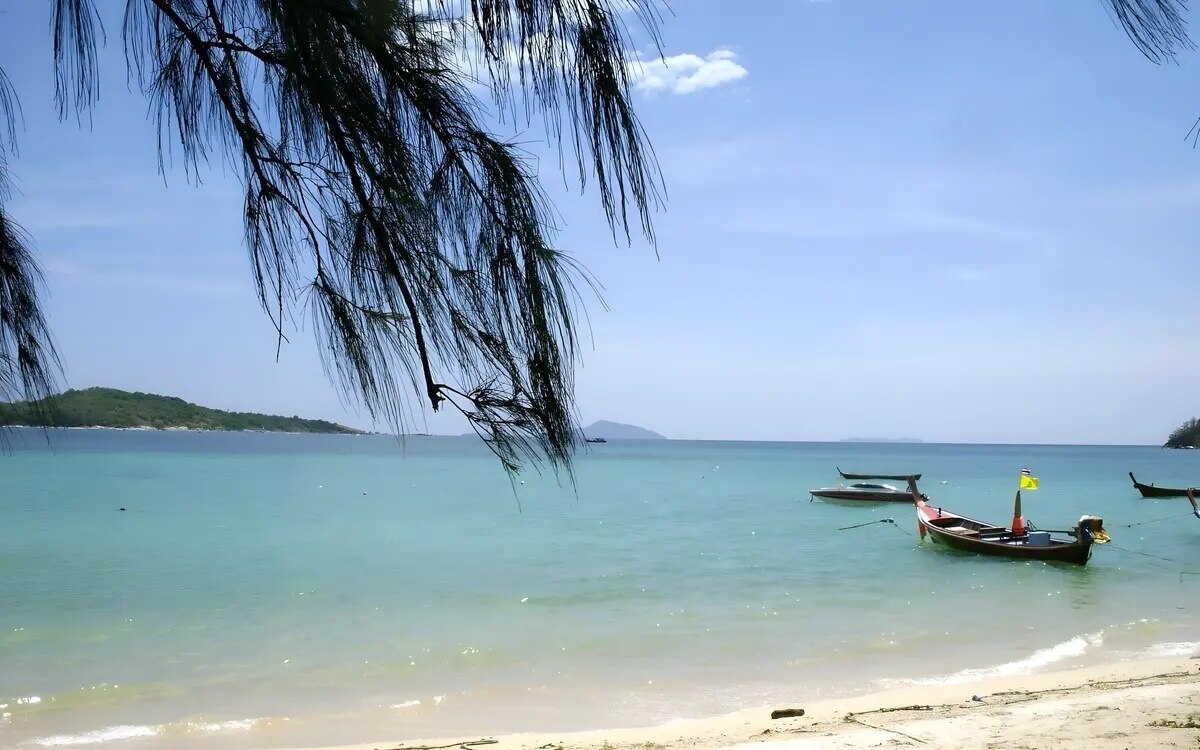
(1192, 500)
(896, 477)
(864, 493)
(971, 535)
(1149, 490)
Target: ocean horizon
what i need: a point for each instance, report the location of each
(263, 589)
(26, 432)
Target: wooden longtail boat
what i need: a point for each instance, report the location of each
(1149, 490)
(970, 535)
(896, 477)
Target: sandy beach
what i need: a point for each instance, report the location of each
(1152, 703)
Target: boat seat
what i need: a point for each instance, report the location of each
(961, 530)
(987, 530)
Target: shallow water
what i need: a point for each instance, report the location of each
(276, 589)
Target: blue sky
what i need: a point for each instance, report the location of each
(953, 221)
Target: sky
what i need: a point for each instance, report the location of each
(959, 222)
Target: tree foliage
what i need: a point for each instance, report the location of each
(1186, 435)
(109, 407)
(1158, 28)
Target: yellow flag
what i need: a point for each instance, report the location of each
(1028, 481)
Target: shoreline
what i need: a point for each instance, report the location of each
(1151, 702)
(148, 428)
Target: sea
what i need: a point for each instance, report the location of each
(220, 590)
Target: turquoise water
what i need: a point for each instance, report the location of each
(274, 590)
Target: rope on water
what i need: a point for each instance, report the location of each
(1155, 520)
(1143, 554)
(891, 521)
(869, 523)
(1182, 573)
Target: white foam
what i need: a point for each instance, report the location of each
(108, 734)
(1069, 649)
(223, 726)
(134, 732)
(1179, 648)
(407, 704)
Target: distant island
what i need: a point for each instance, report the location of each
(1186, 435)
(112, 408)
(618, 431)
(881, 440)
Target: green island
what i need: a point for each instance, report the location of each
(113, 408)
(1186, 435)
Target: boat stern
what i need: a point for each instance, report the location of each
(1090, 529)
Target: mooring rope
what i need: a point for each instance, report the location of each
(1155, 520)
(1182, 573)
(868, 523)
(892, 521)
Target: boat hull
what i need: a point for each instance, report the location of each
(861, 496)
(1149, 490)
(1004, 545)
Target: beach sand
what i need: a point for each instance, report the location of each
(1144, 704)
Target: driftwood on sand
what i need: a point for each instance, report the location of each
(786, 713)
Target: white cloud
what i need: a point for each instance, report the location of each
(967, 275)
(62, 268)
(158, 278)
(687, 73)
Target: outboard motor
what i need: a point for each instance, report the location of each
(1091, 529)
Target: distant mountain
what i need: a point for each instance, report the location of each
(618, 431)
(109, 407)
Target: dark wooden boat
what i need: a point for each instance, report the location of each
(971, 535)
(1149, 490)
(896, 477)
(864, 493)
(596, 440)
